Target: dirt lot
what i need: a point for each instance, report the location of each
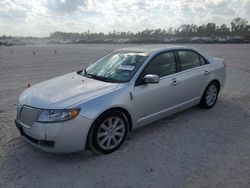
(195, 148)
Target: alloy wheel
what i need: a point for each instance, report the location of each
(111, 133)
(211, 95)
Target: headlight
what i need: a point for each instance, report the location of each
(57, 115)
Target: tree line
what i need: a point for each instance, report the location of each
(238, 27)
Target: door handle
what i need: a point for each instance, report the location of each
(206, 73)
(175, 82)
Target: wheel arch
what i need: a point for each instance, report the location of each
(217, 82)
(123, 110)
(202, 104)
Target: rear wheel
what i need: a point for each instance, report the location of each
(108, 132)
(209, 97)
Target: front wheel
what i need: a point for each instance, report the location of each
(108, 132)
(209, 97)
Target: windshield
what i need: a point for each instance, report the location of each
(116, 67)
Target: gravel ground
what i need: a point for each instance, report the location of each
(194, 148)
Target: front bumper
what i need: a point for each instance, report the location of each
(61, 137)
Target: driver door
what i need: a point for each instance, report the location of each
(153, 101)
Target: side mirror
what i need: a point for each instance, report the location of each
(151, 79)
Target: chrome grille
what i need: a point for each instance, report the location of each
(28, 115)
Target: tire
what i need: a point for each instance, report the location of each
(108, 132)
(210, 96)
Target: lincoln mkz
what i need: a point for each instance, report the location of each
(98, 106)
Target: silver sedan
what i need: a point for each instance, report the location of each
(97, 107)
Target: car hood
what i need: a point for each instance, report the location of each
(64, 91)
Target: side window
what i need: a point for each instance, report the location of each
(161, 65)
(203, 61)
(188, 59)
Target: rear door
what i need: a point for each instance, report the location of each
(194, 71)
(154, 100)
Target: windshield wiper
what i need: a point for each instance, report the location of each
(102, 78)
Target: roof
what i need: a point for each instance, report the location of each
(152, 48)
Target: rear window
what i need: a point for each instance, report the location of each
(189, 59)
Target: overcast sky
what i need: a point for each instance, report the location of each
(40, 17)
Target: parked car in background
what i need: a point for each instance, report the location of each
(98, 106)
